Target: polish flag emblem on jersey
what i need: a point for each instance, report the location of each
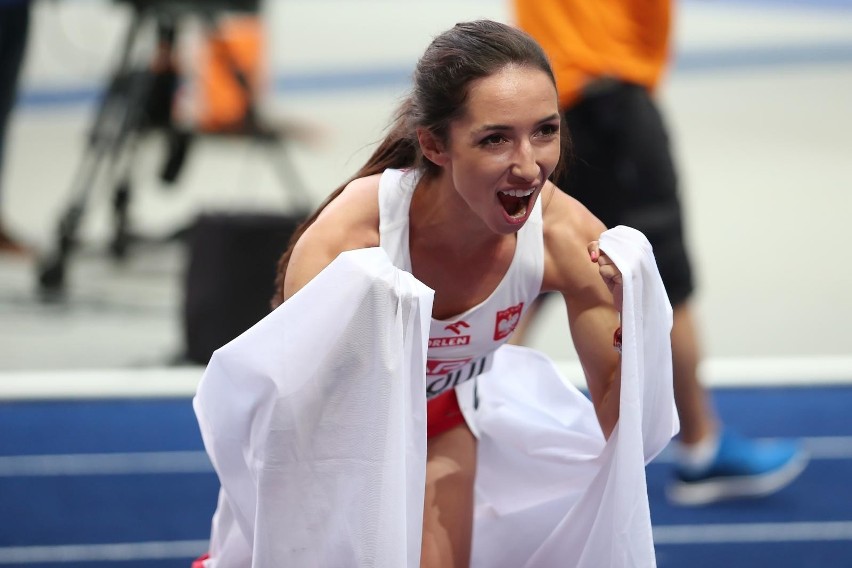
(507, 321)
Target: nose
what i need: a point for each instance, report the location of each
(524, 163)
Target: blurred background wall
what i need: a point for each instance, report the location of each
(759, 105)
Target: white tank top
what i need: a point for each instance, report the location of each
(460, 347)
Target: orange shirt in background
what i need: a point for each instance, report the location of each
(589, 39)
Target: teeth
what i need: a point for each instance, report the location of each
(518, 192)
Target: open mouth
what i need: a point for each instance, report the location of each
(515, 201)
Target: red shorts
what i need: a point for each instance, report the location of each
(443, 413)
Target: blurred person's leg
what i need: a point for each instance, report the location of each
(715, 463)
(698, 420)
(624, 173)
(14, 27)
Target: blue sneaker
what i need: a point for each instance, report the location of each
(741, 468)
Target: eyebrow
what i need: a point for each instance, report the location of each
(486, 127)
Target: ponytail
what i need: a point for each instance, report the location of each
(399, 149)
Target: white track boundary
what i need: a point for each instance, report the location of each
(758, 371)
(181, 382)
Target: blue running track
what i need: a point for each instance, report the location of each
(126, 483)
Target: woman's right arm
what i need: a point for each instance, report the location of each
(349, 222)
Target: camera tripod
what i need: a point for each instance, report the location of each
(137, 100)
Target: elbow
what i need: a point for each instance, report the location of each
(608, 405)
(607, 417)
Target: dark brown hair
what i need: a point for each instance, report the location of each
(455, 58)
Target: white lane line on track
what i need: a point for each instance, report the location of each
(752, 532)
(105, 464)
(137, 463)
(663, 535)
(818, 448)
(19, 555)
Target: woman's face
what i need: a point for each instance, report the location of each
(505, 145)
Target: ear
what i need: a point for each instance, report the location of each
(433, 149)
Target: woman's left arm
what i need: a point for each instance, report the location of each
(594, 324)
(591, 286)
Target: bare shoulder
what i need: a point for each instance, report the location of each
(569, 227)
(349, 222)
(355, 209)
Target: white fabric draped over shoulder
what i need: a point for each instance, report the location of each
(314, 420)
